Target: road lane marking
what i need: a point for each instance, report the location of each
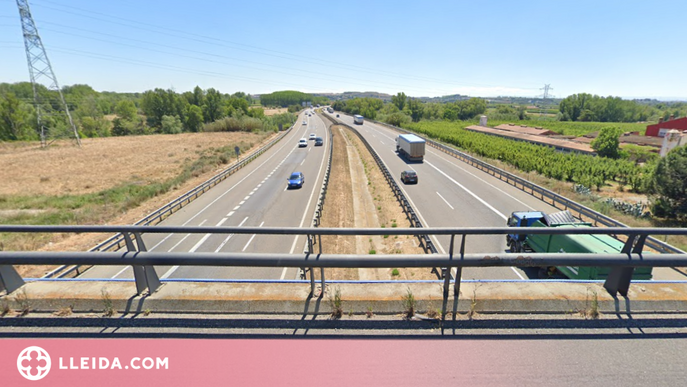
(251, 238)
(236, 208)
(184, 238)
(224, 242)
(231, 213)
(517, 273)
(241, 203)
(445, 201)
(305, 213)
(484, 202)
(246, 198)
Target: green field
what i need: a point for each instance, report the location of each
(569, 128)
(587, 170)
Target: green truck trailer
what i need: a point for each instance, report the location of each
(562, 243)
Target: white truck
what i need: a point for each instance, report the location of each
(410, 146)
(358, 119)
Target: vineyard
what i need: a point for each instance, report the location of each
(586, 170)
(568, 128)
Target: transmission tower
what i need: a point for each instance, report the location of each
(39, 66)
(545, 96)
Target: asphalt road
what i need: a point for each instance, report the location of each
(255, 196)
(451, 193)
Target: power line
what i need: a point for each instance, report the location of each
(39, 66)
(250, 48)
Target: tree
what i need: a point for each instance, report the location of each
(14, 120)
(126, 110)
(171, 125)
(399, 100)
(194, 118)
(670, 183)
(416, 109)
(213, 108)
(607, 144)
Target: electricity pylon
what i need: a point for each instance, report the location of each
(39, 66)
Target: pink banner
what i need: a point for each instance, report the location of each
(235, 362)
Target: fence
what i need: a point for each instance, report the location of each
(622, 264)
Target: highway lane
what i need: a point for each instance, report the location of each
(255, 196)
(450, 193)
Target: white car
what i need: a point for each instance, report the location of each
(312, 136)
(305, 123)
(302, 142)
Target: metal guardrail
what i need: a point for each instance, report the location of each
(538, 191)
(117, 241)
(415, 222)
(622, 264)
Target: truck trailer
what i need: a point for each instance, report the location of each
(410, 146)
(358, 119)
(562, 243)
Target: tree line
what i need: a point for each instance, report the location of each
(103, 114)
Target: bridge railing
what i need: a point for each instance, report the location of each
(622, 264)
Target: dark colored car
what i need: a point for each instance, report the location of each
(296, 180)
(319, 141)
(408, 177)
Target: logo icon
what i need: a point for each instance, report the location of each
(33, 363)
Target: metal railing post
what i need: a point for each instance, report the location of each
(10, 280)
(145, 276)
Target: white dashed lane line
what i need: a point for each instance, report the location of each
(445, 201)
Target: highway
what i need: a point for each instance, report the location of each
(451, 193)
(255, 196)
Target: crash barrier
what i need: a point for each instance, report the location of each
(117, 241)
(143, 262)
(415, 222)
(539, 192)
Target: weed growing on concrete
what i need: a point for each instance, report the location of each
(146, 312)
(4, 308)
(592, 310)
(373, 251)
(23, 300)
(108, 310)
(408, 304)
(369, 312)
(395, 273)
(337, 310)
(473, 304)
(64, 312)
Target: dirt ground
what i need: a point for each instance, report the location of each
(358, 196)
(149, 158)
(102, 163)
(271, 112)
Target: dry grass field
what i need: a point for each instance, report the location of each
(102, 163)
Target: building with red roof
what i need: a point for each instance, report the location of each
(660, 129)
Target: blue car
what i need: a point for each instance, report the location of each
(296, 180)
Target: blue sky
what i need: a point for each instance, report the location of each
(431, 48)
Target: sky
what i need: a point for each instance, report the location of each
(631, 49)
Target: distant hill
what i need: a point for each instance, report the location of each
(354, 94)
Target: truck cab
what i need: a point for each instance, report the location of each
(521, 219)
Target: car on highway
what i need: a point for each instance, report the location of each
(296, 180)
(305, 123)
(408, 177)
(312, 136)
(337, 116)
(319, 141)
(302, 142)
